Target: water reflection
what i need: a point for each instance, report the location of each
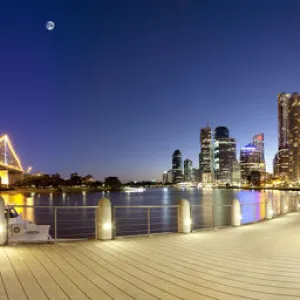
(20, 199)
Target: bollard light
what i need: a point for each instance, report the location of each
(107, 226)
(271, 212)
(188, 222)
(286, 207)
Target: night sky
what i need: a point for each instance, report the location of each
(119, 85)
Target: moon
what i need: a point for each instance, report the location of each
(50, 25)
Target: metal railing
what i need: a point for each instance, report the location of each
(72, 222)
(144, 219)
(66, 222)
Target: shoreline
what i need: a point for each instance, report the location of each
(74, 190)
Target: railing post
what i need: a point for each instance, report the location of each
(96, 222)
(236, 213)
(115, 223)
(104, 226)
(3, 224)
(148, 221)
(269, 210)
(184, 216)
(55, 224)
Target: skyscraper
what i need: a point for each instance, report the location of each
(249, 162)
(221, 132)
(206, 154)
(188, 170)
(177, 175)
(294, 138)
(276, 166)
(224, 155)
(165, 177)
(283, 134)
(236, 173)
(259, 144)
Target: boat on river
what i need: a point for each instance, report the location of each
(130, 189)
(20, 230)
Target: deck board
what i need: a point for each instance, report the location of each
(255, 262)
(10, 279)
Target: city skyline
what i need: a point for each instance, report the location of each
(98, 94)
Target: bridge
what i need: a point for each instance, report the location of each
(10, 165)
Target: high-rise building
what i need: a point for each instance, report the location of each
(165, 177)
(206, 155)
(276, 166)
(224, 155)
(236, 173)
(196, 175)
(250, 161)
(177, 166)
(294, 138)
(259, 144)
(283, 134)
(188, 170)
(221, 132)
(170, 176)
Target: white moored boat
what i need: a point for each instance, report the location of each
(20, 230)
(129, 189)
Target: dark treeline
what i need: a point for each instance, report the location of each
(55, 181)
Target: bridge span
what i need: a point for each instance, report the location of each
(10, 165)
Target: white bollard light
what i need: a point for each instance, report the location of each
(184, 216)
(3, 225)
(269, 208)
(236, 213)
(104, 221)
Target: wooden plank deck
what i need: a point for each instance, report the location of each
(259, 261)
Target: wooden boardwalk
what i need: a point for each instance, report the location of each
(260, 261)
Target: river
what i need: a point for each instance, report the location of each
(75, 223)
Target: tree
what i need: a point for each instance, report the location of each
(113, 183)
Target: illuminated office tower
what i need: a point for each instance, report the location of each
(206, 154)
(294, 138)
(188, 170)
(283, 134)
(177, 175)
